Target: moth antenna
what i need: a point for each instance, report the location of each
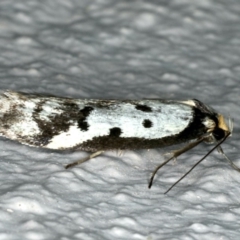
(217, 146)
(176, 153)
(120, 152)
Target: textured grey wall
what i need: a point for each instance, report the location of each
(120, 49)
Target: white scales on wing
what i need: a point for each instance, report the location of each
(164, 120)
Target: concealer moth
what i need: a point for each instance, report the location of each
(96, 125)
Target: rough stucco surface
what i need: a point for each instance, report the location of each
(121, 49)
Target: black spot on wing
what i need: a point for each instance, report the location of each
(147, 123)
(83, 125)
(115, 132)
(143, 108)
(82, 122)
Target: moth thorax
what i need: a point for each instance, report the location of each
(210, 124)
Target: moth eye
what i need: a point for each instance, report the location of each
(219, 133)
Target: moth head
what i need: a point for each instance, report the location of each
(217, 128)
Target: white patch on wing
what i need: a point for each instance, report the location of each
(66, 139)
(167, 119)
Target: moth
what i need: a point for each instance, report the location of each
(96, 125)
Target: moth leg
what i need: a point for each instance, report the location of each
(93, 155)
(230, 161)
(215, 147)
(175, 154)
(120, 152)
